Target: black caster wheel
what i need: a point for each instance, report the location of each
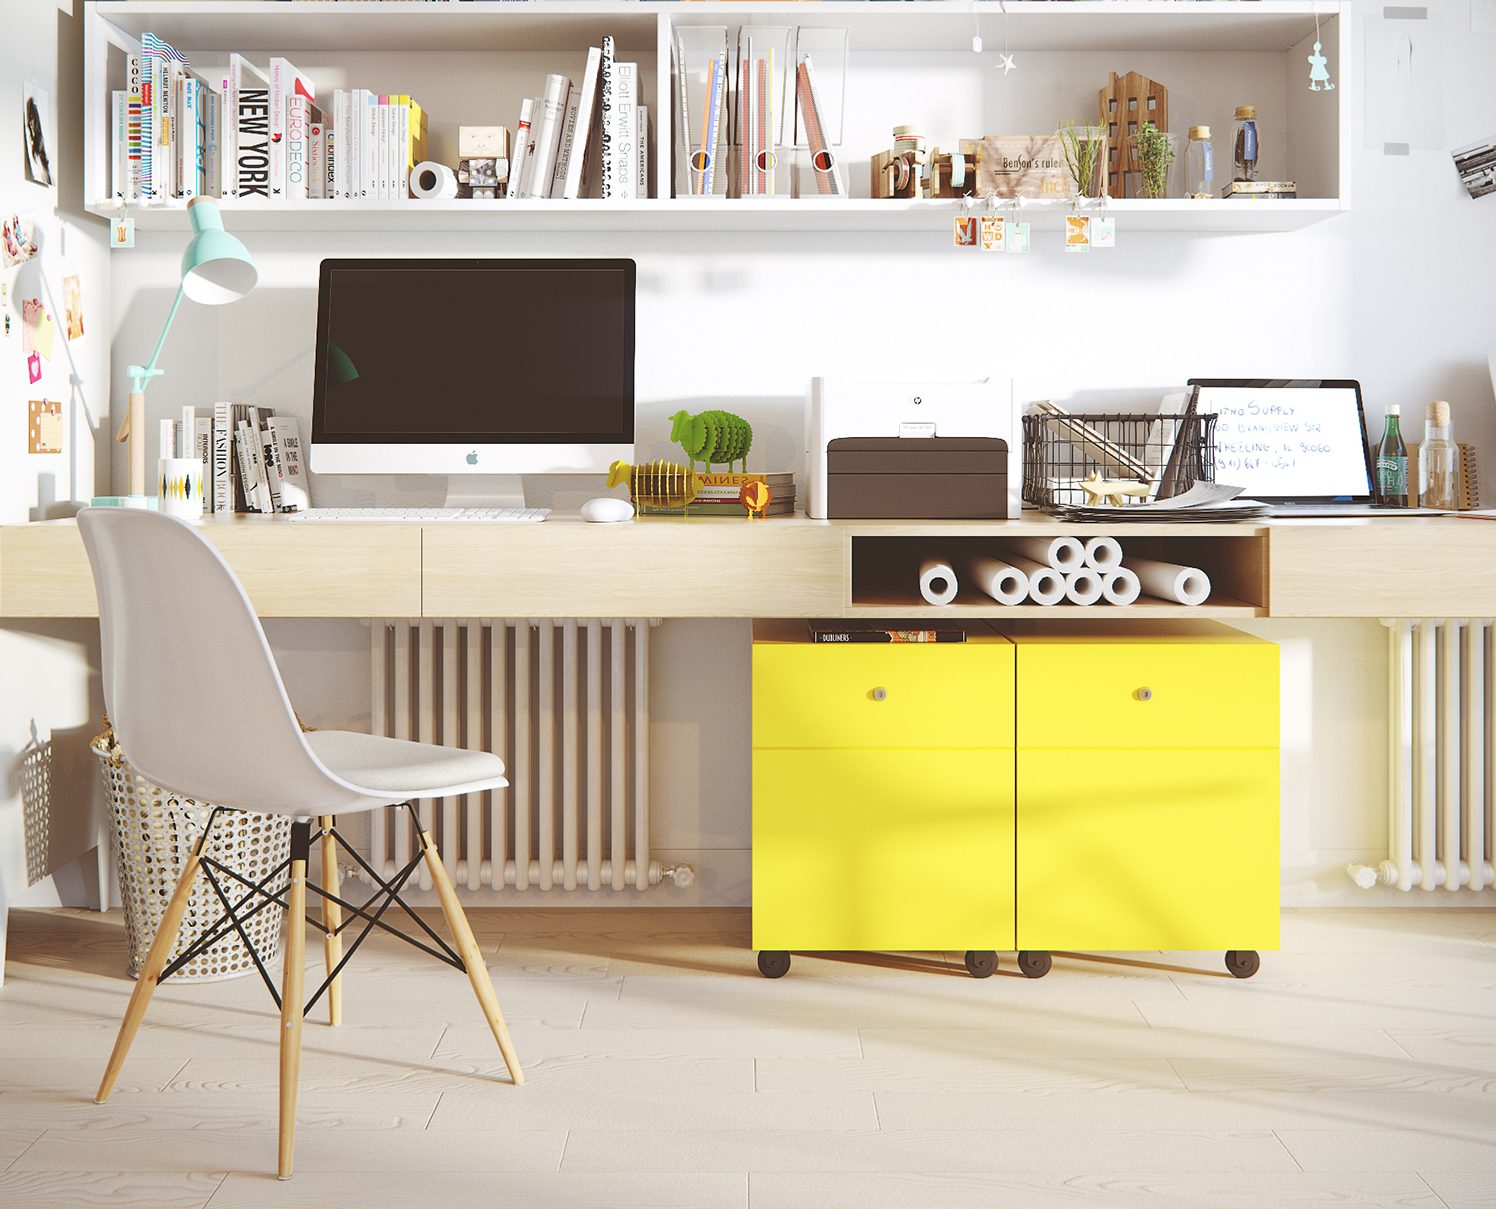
(981, 963)
(1243, 963)
(1035, 964)
(773, 963)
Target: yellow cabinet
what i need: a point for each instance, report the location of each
(882, 796)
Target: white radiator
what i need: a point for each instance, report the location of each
(1441, 757)
(565, 704)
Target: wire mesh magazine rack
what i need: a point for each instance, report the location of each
(1155, 455)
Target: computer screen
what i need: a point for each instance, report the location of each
(1289, 439)
(471, 352)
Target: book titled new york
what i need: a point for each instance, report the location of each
(832, 632)
(251, 101)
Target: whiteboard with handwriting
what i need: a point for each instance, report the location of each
(1288, 442)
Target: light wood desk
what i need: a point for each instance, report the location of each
(793, 567)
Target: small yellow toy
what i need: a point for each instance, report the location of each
(755, 498)
(658, 484)
(1112, 491)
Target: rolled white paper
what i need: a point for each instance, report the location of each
(429, 180)
(1062, 553)
(1002, 581)
(1103, 553)
(937, 581)
(1083, 587)
(1046, 585)
(1184, 585)
(1120, 586)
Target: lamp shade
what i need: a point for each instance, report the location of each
(216, 267)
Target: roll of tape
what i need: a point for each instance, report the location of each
(430, 180)
(958, 170)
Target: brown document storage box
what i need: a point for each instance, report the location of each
(917, 478)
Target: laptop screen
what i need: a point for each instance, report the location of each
(1289, 440)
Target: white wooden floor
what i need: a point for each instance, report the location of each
(1358, 1069)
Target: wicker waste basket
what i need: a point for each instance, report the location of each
(154, 832)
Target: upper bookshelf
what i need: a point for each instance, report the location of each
(470, 62)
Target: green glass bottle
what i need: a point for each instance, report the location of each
(1392, 463)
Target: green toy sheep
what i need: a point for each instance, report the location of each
(712, 437)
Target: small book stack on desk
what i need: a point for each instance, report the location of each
(719, 496)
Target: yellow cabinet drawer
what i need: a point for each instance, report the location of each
(1147, 849)
(1146, 695)
(879, 696)
(882, 849)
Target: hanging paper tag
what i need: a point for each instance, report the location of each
(122, 231)
(994, 233)
(1103, 232)
(966, 232)
(1077, 233)
(1018, 237)
(34, 368)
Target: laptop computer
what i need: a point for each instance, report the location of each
(1299, 445)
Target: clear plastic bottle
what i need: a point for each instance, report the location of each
(1438, 460)
(1246, 142)
(1199, 166)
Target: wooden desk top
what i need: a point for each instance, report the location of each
(783, 567)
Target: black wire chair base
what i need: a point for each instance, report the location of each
(271, 890)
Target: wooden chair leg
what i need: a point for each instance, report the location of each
(472, 959)
(155, 961)
(332, 918)
(292, 989)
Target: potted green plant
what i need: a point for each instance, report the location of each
(1084, 149)
(1153, 153)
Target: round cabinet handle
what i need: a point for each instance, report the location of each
(1144, 694)
(880, 694)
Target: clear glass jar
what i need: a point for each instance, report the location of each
(1199, 165)
(1245, 143)
(1438, 461)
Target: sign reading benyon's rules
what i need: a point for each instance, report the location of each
(1288, 441)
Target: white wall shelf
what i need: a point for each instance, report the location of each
(471, 62)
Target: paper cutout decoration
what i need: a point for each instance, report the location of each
(1319, 77)
(44, 426)
(72, 304)
(33, 369)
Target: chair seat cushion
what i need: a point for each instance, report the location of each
(401, 769)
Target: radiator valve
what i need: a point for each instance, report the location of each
(682, 875)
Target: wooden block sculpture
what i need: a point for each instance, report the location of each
(712, 437)
(657, 484)
(1111, 491)
(1126, 103)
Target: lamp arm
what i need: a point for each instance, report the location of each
(139, 377)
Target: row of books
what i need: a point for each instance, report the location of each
(253, 134)
(251, 457)
(720, 496)
(584, 140)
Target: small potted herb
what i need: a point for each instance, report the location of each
(1083, 148)
(1153, 153)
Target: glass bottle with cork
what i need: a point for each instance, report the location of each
(1438, 460)
(1391, 465)
(1199, 170)
(1246, 143)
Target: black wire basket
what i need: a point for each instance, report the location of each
(1165, 454)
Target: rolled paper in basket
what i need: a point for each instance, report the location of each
(937, 581)
(1103, 553)
(1083, 587)
(1002, 581)
(1183, 585)
(1120, 586)
(1046, 585)
(1061, 553)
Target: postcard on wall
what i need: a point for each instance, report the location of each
(1476, 165)
(36, 110)
(19, 239)
(44, 426)
(72, 304)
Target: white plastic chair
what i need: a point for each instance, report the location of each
(199, 708)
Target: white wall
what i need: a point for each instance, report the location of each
(1396, 294)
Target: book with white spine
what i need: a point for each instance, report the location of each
(119, 147)
(250, 103)
(285, 436)
(521, 156)
(316, 160)
(568, 141)
(223, 457)
(622, 116)
(382, 111)
(302, 116)
(578, 163)
(286, 81)
(641, 154)
(548, 136)
(607, 118)
(202, 437)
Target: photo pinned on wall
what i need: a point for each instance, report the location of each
(19, 240)
(44, 426)
(72, 304)
(966, 231)
(1476, 165)
(36, 137)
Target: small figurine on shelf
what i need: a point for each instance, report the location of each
(755, 498)
(481, 177)
(657, 484)
(713, 437)
(1111, 491)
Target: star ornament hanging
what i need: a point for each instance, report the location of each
(1006, 65)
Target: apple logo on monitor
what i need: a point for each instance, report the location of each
(472, 457)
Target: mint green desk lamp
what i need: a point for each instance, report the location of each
(216, 268)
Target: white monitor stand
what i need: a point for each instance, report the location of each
(485, 491)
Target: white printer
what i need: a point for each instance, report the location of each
(917, 450)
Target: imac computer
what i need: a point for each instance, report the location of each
(482, 370)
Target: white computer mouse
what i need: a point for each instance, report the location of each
(607, 508)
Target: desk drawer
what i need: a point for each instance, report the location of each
(881, 696)
(1143, 695)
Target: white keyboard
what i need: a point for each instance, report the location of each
(423, 515)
